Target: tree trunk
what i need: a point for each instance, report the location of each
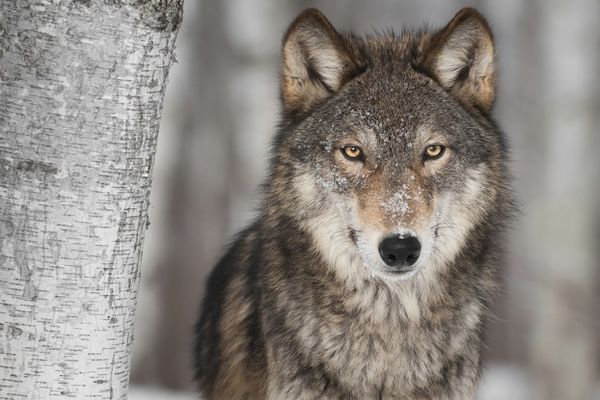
(81, 89)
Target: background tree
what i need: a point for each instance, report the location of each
(225, 110)
(81, 89)
(564, 227)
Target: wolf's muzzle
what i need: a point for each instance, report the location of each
(400, 252)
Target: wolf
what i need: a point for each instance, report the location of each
(369, 268)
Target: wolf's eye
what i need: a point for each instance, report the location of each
(352, 153)
(434, 151)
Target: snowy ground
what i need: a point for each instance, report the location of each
(502, 382)
(149, 393)
(499, 383)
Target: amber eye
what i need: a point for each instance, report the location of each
(352, 153)
(434, 151)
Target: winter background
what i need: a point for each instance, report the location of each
(219, 115)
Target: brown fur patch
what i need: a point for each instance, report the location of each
(236, 382)
(385, 209)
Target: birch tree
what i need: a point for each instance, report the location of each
(81, 89)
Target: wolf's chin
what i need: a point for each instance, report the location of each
(389, 274)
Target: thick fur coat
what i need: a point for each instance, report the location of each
(382, 137)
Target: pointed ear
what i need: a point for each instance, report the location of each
(316, 63)
(462, 58)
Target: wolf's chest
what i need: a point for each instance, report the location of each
(395, 347)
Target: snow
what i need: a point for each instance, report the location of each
(500, 382)
(152, 393)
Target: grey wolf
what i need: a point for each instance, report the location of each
(369, 268)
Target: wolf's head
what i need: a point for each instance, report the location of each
(387, 155)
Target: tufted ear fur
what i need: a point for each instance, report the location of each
(462, 58)
(316, 63)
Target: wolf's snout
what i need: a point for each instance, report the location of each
(400, 251)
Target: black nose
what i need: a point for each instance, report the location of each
(400, 251)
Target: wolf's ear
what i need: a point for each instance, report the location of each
(316, 62)
(462, 58)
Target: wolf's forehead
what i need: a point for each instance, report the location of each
(386, 105)
(392, 93)
(389, 130)
(372, 121)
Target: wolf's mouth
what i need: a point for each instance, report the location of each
(400, 271)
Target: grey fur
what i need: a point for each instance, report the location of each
(300, 307)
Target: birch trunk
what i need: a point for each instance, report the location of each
(81, 89)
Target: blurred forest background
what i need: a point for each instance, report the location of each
(220, 113)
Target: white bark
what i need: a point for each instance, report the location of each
(81, 89)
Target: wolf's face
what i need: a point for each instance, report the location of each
(393, 159)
